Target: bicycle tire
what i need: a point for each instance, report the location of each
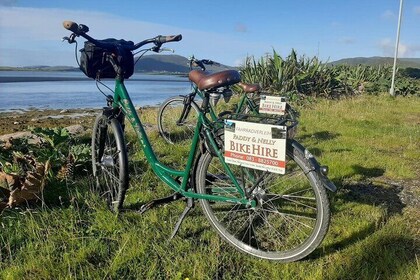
(109, 161)
(170, 113)
(291, 217)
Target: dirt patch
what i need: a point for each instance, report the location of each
(394, 195)
(410, 191)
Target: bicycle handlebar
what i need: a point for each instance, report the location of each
(166, 39)
(81, 30)
(71, 25)
(201, 62)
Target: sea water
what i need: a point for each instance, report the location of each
(72, 90)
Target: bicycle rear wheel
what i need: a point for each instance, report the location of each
(291, 216)
(109, 161)
(177, 120)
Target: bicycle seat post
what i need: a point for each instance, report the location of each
(206, 102)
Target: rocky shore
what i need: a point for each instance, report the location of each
(20, 121)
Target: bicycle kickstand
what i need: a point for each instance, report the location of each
(159, 201)
(190, 204)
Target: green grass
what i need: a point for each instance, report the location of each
(371, 145)
(365, 137)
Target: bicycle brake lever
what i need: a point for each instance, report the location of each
(70, 39)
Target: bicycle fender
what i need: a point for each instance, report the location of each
(311, 164)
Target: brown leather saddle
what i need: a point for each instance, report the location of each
(215, 82)
(207, 82)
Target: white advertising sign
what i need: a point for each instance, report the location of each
(255, 145)
(272, 105)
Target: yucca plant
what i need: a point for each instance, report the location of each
(296, 76)
(293, 75)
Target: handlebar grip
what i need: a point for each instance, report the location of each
(71, 25)
(78, 29)
(171, 38)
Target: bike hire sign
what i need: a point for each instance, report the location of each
(272, 105)
(255, 145)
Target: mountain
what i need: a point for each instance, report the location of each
(170, 63)
(157, 63)
(39, 68)
(377, 60)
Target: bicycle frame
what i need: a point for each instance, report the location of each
(243, 100)
(123, 101)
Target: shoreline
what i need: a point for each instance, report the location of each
(22, 120)
(20, 79)
(24, 79)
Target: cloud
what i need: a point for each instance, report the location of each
(240, 27)
(417, 10)
(388, 14)
(404, 50)
(35, 31)
(347, 40)
(8, 2)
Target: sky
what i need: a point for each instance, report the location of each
(226, 31)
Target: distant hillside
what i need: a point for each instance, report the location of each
(38, 68)
(377, 60)
(170, 63)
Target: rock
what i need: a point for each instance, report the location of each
(15, 135)
(75, 129)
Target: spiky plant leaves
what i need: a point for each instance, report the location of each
(310, 77)
(67, 170)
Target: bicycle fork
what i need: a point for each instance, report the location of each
(186, 109)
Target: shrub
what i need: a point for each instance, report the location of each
(298, 77)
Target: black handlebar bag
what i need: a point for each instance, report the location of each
(94, 64)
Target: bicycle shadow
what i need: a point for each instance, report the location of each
(376, 248)
(369, 250)
(364, 191)
(320, 135)
(383, 258)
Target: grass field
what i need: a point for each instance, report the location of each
(370, 143)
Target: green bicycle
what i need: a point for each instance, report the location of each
(268, 215)
(177, 116)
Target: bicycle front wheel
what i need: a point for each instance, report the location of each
(291, 213)
(177, 120)
(109, 161)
